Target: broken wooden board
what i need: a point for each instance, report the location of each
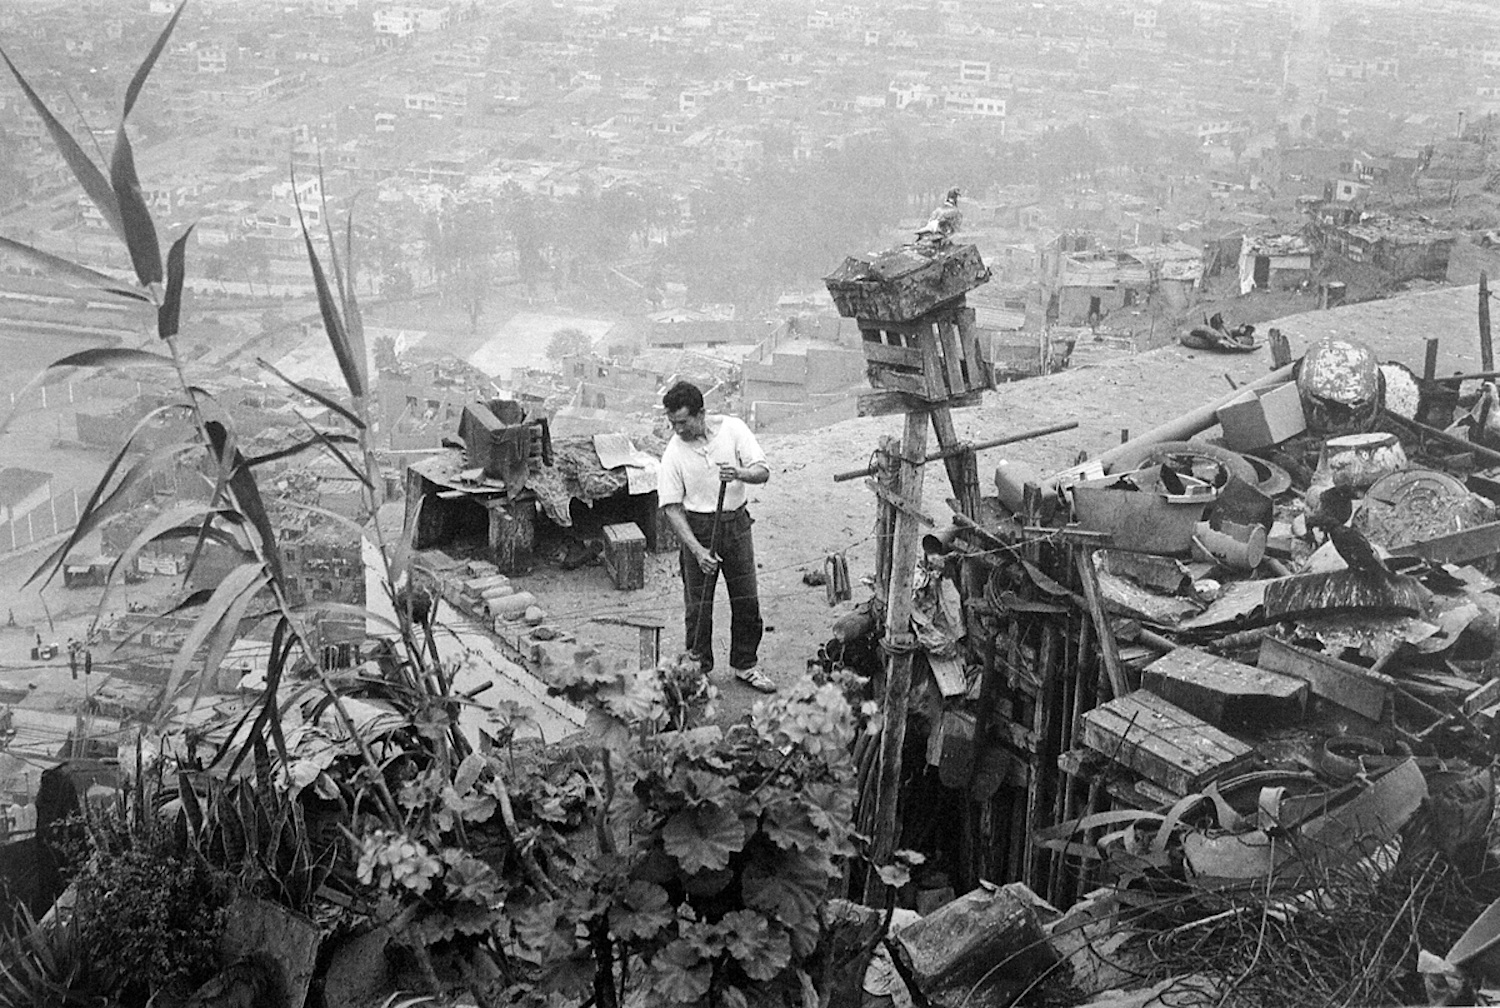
(1482, 697)
(1458, 547)
(1224, 692)
(950, 747)
(1359, 689)
(1162, 742)
(1370, 820)
(887, 403)
(948, 672)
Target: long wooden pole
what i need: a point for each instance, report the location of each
(1185, 426)
(901, 645)
(1480, 451)
(957, 449)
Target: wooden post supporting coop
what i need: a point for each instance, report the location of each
(923, 351)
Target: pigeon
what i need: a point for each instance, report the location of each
(1335, 510)
(945, 221)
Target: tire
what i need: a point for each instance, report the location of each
(1153, 454)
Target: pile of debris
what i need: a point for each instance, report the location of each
(1276, 754)
(1309, 676)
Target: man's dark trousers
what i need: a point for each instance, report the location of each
(736, 551)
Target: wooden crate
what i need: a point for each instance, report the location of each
(938, 356)
(904, 283)
(1162, 742)
(625, 555)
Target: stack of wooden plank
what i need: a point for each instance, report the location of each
(1172, 733)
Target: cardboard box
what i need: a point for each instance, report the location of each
(1262, 417)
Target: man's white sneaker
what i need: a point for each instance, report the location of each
(755, 679)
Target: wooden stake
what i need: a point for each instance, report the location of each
(1108, 648)
(963, 467)
(901, 648)
(1486, 349)
(1281, 349)
(1429, 366)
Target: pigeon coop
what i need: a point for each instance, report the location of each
(938, 356)
(918, 336)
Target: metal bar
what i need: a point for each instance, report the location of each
(844, 477)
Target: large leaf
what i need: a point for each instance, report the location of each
(88, 174)
(703, 837)
(243, 581)
(66, 269)
(314, 395)
(144, 70)
(789, 887)
(140, 231)
(169, 315)
(761, 951)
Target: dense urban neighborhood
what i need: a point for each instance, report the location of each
(1121, 437)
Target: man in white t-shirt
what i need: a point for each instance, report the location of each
(709, 455)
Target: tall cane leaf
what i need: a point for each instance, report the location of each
(338, 336)
(144, 70)
(343, 276)
(282, 640)
(97, 357)
(99, 489)
(170, 524)
(65, 269)
(111, 357)
(245, 492)
(315, 395)
(169, 314)
(226, 633)
(140, 231)
(318, 439)
(328, 442)
(88, 174)
(246, 579)
(193, 601)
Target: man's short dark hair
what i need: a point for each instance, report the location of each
(683, 394)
